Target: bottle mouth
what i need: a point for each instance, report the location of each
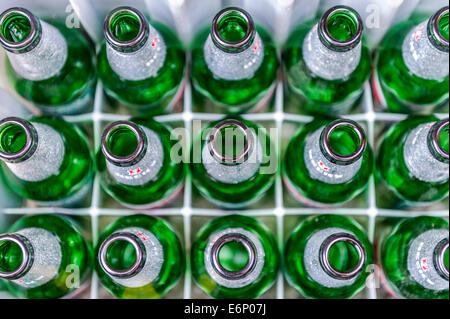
(126, 29)
(441, 253)
(23, 40)
(325, 256)
(233, 30)
(18, 140)
(123, 143)
(241, 146)
(438, 140)
(251, 254)
(139, 251)
(26, 251)
(438, 29)
(340, 28)
(343, 142)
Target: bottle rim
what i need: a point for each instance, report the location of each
(236, 159)
(325, 256)
(137, 154)
(229, 46)
(30, 144)
(330, 42)
(434, 144)
(133, 44)
(138, 247)
(327, 150)
(251, 250)
(33, 38)
(439, 260)
(433, 32)
(27, 252)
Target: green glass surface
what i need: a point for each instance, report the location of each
(12, 138)
(125, 26)
(317, 95)
(15, 28)
(167, 181)
(121, 255)
(342, 26)
(341, 257)
(76, 170)
(74, 81)
(172, 268)
(237, 194)
(394, 257)
(294, 166)
(150, 96)
(76, 253)
(271, 258)
(10, 256)
(393, 172)
(404, 91)
(239, 95)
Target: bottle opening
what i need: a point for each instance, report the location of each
(123, 143)
(438, 29)
(234, 256)
(126, 29)
(18, 139)
(342, 256)
(14, 256)
(231, 142)
(122, 255)
(438, 140)
(340, 28)
(233, 30)
(442, 258)
(343, 142)
(19, 30)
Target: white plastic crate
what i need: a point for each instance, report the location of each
(191, 211)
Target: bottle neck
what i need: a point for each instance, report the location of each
(441, 258)
(332, 49)
(233, 50)
(425, 49)
(16, 256)
(135, 50)
(18, 140)
(36, 50)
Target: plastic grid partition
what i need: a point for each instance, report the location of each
(280, 211)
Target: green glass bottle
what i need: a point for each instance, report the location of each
(48, 63)
(327, 163)
(412, 64)
(414, 258)
(141, 65)
(46, 160)
(136, 166)
(235, 64)
(235, 257)
(233, 163)
(139, 257)
(44, 256)
(328, 256)
(327, 63)
(413, 160)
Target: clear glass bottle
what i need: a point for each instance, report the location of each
(141, 65)
(234, 64)
(48, 63)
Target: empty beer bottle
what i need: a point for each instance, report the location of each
(141, 65)
(327, 162)
(412, 65)
(235, 65)
(44, 256)
(328, 256)
(235, 165)
(413, 160)
(139, 257)
(48, 63)
(414, 258)
(235, 257)
(136, 166)
(46, 160)
(327, 63)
